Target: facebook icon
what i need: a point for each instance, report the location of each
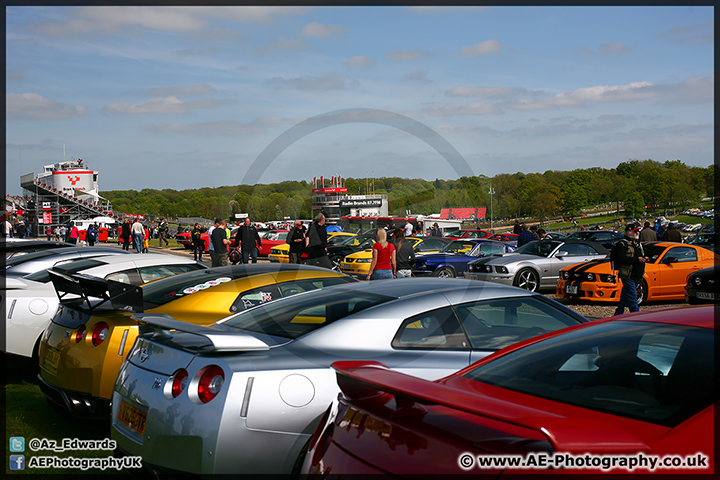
(17, 462)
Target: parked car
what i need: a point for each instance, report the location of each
(505, 237)
(358, 264)
(245, 394)
(269, 239)
(471, 233)
(629, 386)
(37, 261)
(185, 238)
(31, 301)
(78, 369)
(17, 247)
(665, 275)
(702, 286)
(707, 240)
(280, 253)
(535, 265)
(452, 261)
(606, 238)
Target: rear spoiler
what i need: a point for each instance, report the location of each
(77, 288)
(161, 327)
(360, 380)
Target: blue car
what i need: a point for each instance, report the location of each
(452, 260)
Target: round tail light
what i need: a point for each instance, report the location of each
(210, 383)
(80, 333)
(180, 381)
(99, 333)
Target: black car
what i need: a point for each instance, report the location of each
(702, 286)
(14, 248)
(606, 238)
(705, 239)
(337, 251)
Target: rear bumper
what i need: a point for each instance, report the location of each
(77, 404)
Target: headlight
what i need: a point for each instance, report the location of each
(363, 260)
(470, 268)
(501, 269)
(566, 275)
(422, 266)
(606, 278)
(698, 281)
(590, 277)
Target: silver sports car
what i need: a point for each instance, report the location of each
(245, 394)
(535, 265)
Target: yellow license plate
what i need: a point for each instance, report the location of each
(52, 358)
(132, 417)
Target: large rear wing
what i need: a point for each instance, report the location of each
(78, 290)
(360, 380)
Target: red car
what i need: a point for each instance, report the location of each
(456, 234)
(505, 237)
(270, 239)
(629, 394)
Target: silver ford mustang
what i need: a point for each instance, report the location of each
(245, 394)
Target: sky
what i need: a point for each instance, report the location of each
(192, 97)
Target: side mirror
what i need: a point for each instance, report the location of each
(416, 249)
(670, 260)
(562, 254)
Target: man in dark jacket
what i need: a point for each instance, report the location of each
(648, 234)
(629, 259)
(672, 234)
(296, 239)
(316, 243)
(198, 242)
(249, 240)
(524, 237)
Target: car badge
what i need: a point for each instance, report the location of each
(157, 383)
(144, 354)
(68, 333)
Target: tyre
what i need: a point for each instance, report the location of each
(527, 279)
(642, 289)
(335, 261)
(444, 272)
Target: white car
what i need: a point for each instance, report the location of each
(38, 261)
(30, 302)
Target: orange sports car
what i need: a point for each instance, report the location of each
(665, 274)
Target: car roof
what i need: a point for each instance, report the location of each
(61, 253)
(701, 316)
(120, 261)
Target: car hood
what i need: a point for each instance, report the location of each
(508, 258)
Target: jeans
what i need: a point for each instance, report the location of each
(381, 275)
(198, 249)
(628, 297)
(137, 241)
(404, 273)
(246, 255)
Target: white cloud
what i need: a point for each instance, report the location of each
(316, 29)
(692, 33)
(477, 108)
(199, 89)
(418, 76)
(488, 47)
(582, 96)
(282, 43)
(327, 82)
(170, 105)
(35, 107)
(228, 128)
(405, 55)
(465, 91)
(359, 61)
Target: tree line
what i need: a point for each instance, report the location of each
(635, 184)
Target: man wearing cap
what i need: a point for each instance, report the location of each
(629, 260)
(648, 234)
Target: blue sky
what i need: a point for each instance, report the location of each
(188, 97)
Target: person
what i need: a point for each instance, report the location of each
(162, 230)
(404, 255)
(533, 231)
(21, 229)
(296, 239)
(146, 240)
(316, 243)
(137, 231)
(628, 258)
(73, 234)
(6, 228)
(211, 246)
(517, 229)
(220, 244)
(542, 234)
(126, 234)
(659, 229)
(524, 237)
(198, 242)
(56, 233)
(672, 234)
(48, 232)
(435, 231)
(408, 228)
(248, 239)
(91, 235)
(648, 234)
(383, 264)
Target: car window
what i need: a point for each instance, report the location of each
(438, 329)
(256, 296)
(576, 249)
(458, 246)
(652, 372)
(487, 248)
(683, 254)
(497, 323)
(541, 248)
(130, 276)
(156, 272)
(431, 244)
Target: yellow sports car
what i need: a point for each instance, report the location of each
(279, 254)
(82, 350)
(358, 264)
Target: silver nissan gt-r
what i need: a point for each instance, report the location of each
(245, 394)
